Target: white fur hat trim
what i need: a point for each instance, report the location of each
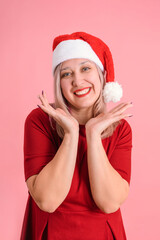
(112, 92)
(69, 49)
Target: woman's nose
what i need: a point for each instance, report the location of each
(77, 79)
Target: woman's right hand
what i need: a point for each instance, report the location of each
(66, 121)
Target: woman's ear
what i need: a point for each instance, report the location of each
(105, 74)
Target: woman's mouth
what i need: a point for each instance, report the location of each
(83, 92)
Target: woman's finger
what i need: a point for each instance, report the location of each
(119, 117)
(50, 111)
(65, 120)
(46, 107)
(122, 109)
(44, 96)
(43, 99)
(115, 109)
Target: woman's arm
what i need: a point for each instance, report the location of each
(50, 187)
(109, 189)
(52, 184)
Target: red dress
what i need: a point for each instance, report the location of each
(78, 217)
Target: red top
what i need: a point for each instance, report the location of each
(78, 217)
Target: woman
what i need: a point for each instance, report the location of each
(77, 155)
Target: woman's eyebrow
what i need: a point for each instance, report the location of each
(69, 67)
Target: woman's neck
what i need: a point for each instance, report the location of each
(82, 115)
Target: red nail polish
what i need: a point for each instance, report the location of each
(38, 105)
(42, 92)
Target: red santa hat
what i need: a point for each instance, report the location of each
(84, 45)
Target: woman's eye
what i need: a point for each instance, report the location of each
(86, 68)
(65, 75)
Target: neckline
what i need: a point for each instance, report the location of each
(82, 130)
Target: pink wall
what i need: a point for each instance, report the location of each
(131, 29)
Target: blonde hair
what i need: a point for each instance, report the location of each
(98, 107)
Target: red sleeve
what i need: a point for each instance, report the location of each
(39, 143)
(121, 156)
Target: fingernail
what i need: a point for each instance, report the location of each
(131, 102)
(38, 105)
(130, 115)
(42, 92)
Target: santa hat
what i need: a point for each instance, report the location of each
(84, 45)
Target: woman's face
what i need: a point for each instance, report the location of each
(77, 75)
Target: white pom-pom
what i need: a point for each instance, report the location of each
(112, 92)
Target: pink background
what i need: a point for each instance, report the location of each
(131, 30)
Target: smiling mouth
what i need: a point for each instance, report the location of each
(83, 92)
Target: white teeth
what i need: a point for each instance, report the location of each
(82, 92)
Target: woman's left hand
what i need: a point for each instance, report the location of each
(103, 120)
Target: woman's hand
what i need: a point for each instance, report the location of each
(103, 120)
(66, 121)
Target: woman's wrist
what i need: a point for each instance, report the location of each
(72, 134)
(90, 133)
